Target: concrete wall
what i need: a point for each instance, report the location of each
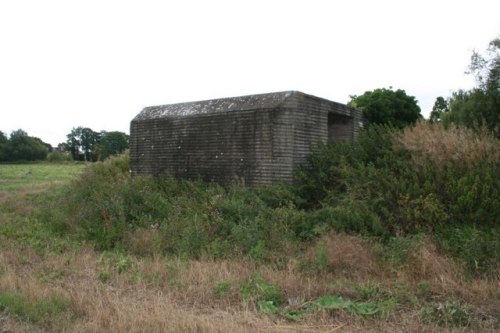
(248, 147)
(229, 148)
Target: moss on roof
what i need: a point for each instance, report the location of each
(250, 102)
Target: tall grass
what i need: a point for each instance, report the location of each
(449, 146)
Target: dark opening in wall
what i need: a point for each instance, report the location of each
(340, 127)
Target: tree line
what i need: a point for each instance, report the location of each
(480, 106)
(85, 144)
(22, 147)
(476, 108)
(82, 144)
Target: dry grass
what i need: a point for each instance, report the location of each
(146, 292)
(349, 257)
(449, 146)
(173, 295)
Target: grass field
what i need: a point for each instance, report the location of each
(32, 176)
(57, 282)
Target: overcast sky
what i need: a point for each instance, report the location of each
(89, 63)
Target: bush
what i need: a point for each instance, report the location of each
(407, 183)
(57, 157)
(393, 183)
(478, 248)
(190, 217)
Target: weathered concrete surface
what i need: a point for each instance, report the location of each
(249, 140)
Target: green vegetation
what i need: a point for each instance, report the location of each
(85, 144)
(478, 107)
(398, 229)
(447, 314)
(384, 185)
(387, 107)
(22, 147)
(18, 176)
(45, 312)
(385, 228)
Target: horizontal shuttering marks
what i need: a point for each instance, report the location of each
(242, 146)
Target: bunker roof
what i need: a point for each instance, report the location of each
(249, 102)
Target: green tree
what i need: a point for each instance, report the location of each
(83, 140)
(89, 141)
(440, 107)
(73, 142)
(3, 143)
(479, 106)
(486, 70)
(386, 106)
(112, 143)
(22, 147)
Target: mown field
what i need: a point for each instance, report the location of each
(19, 177)
(87, 249)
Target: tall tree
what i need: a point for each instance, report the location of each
(3, 144)
(440, 107)
(479, 106)
(386, 106)
(83, 141)
(73, 142)
(112, 143)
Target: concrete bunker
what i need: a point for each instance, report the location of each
(250, 140)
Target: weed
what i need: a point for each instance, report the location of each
(123, 264)
(321, 258)
(424, 289)
(398, 249)
(221, 289)
(478, 248)
(333, 302)
(268, 307)
(257, 289)
(447, 314)
(293, 314)
(258, 251)
(104, 276)
(368, 291)
(41, 311)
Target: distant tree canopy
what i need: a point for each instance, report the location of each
(3, 143)
(479, 106)
(86, 144)
(440, 107)
(386, 106)
(82, 141)
(112, 143)
(22, 147)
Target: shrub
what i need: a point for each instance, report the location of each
(257, 289)
(57, 157)
(478, 248)
(447, 314)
